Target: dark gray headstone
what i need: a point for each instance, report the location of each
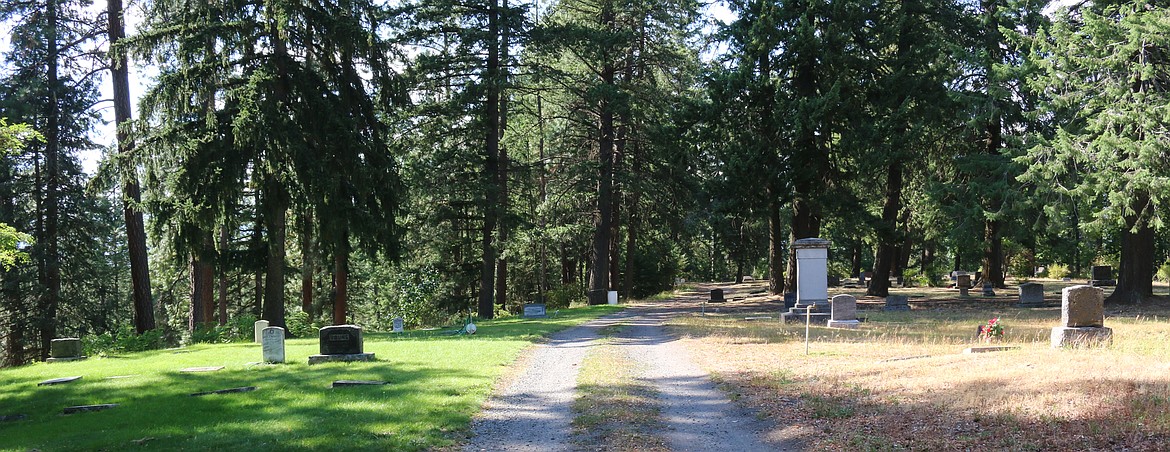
(341, 340)
(897, 303)
(789, 300)
(1031, 295)
(532, 310)
(66, 347)
(988, 290)
(834, 281)
(716, 295)
(1102, 272)
(12, 417)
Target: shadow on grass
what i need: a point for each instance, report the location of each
(435, 382)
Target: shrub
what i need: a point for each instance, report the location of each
(123, 340)
(1164, 272)
(1058, 271)
(564, 295)
(300, 325)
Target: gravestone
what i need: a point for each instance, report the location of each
(272, 344)
(533, 310)
(812, 271)
(259, 330)
(612, 297)
(65, 349)
(834, 281)
(812, 277)
(202, 369)
(866, 277)
(716, 296)
(988, 290)
(1031, 295)
(963, 281)
(87, 408)
(1102, 276)
(344, 383)
(57, 381)
(399, 325)
(1082, 318)
(897, 303)
(225, 391)
(844, 312)
(789, 300)
(341, 343)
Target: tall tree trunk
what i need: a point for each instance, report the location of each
(341, 280)
(505, 195)
(308, 264)
(993, 253)
(131, 193)
(888, 243)
(257, 247)
(276, 202)
(491, 170)
(633, 199)
(904, 251)
(49, 242)
(223, 277)
(603, 223)
(855, 260)
(1135, 277)
(776, 261)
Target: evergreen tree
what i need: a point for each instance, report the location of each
(1108, 66)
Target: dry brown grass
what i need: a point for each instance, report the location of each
(901, 381)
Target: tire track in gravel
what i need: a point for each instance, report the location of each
(534, 411)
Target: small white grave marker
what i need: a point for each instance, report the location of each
(272, 344)
(259, 329)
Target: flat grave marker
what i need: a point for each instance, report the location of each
(344, 383)
(225, 391)
(88, 408)
(201, 369)
(57, 381)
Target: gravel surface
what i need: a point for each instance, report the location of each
(533, 412)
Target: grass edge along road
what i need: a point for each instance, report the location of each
(436, 382)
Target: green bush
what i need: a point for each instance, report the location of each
(1164, 272)
(1058, 271)
(564, 295)
(124, 340)
(300, 325)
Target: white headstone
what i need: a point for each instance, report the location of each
(399, 324)
(259, 328)
(812, 275)
(613, 297)
(272, 343)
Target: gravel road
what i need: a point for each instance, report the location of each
(533, 412)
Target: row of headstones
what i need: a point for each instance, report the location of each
(1082, 314)
(337, 343)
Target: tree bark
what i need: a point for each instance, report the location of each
(491, 116)
(131, 192)
(993, 254)
(633, 199)
(776, 261)
(276, 202)
(223, 277)
(505, 195)
(341, 280)
(1135, 277)
(599, 274)
(308, 264)
(888, 245)
(49, 241)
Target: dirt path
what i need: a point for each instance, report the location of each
(533, 412)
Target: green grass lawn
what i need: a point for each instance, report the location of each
(436, 382)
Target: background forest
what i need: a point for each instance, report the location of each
(351, 161)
